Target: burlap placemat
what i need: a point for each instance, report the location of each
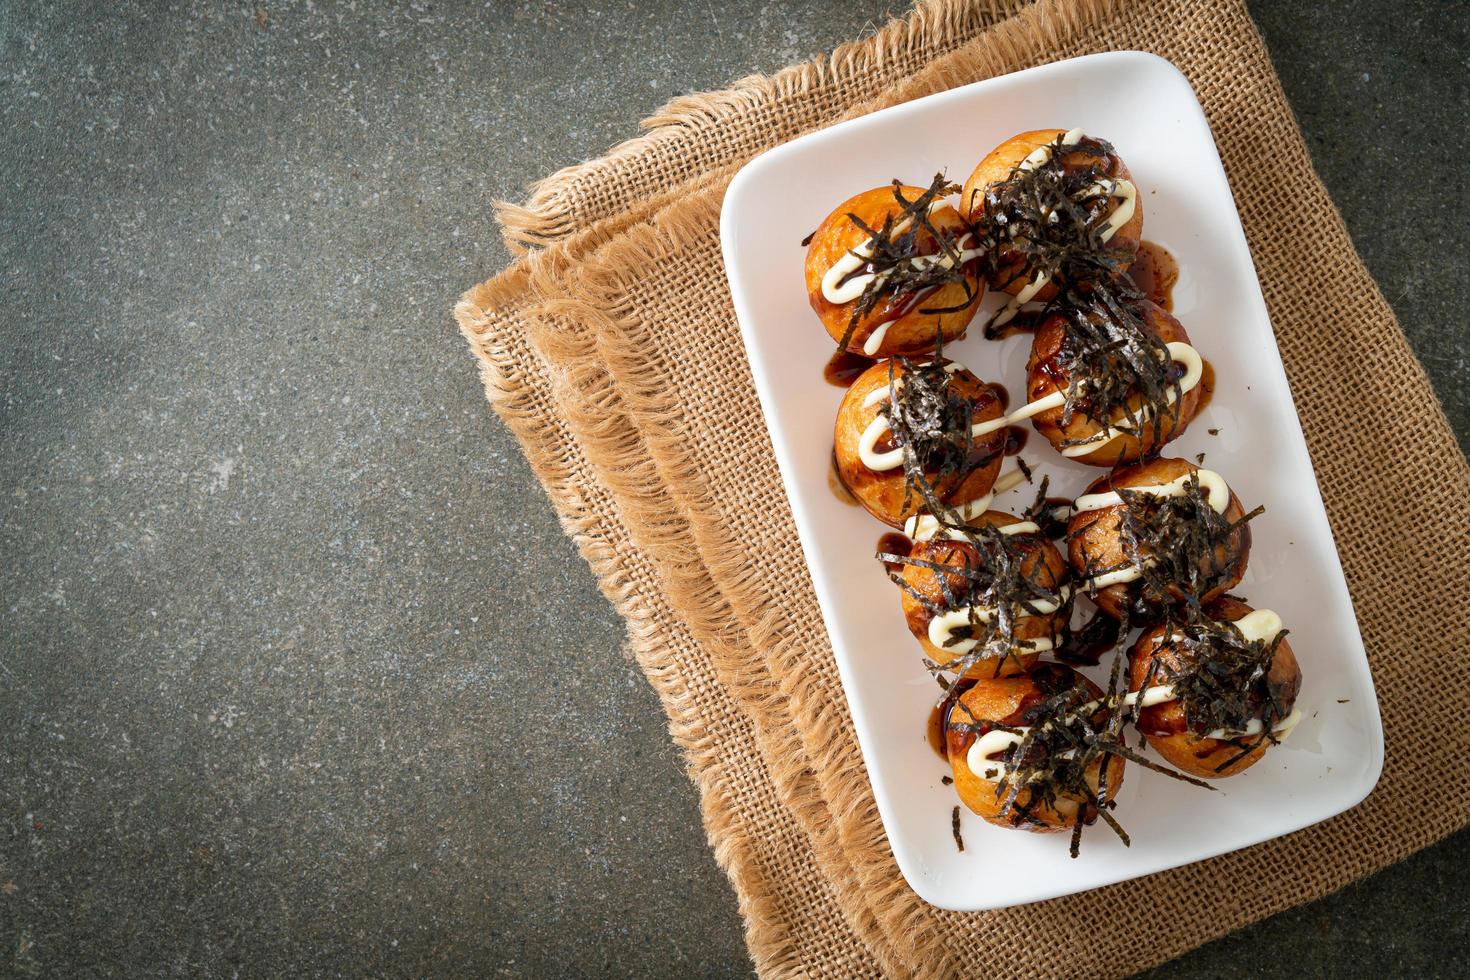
(672, 494)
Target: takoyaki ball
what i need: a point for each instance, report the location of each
(898, 321)
(1011, 270)
(1167, 725)
(1101, 563)
(877, 477)
(1015, 701)
(1054, 354)
(1033, 565)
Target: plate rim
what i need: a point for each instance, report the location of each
(731, 244)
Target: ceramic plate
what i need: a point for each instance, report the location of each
(1147, 109)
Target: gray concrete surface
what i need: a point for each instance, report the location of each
(279, 592)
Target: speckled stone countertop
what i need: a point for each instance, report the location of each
(278, 588)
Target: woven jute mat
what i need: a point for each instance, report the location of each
(611, 350)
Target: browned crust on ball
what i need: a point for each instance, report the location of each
(1046, 372)
(1185, 751)
(912, 333)
(997, 167)
(1094, 542)
(1043, 564)
(882, 494)
(1003, 701)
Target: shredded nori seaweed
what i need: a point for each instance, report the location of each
(1067, 732)
(1025, 469)
(1050, 218)
(1050, 516)
(986, 573)
(931, 421)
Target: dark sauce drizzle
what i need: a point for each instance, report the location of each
(1087, 643)
(1025, 321)
(1155, 272)
(836, 485)
(1054, 517)
(1206, 387)
(939, 717)
(1016, 439)
(844, 367)
(897, 544)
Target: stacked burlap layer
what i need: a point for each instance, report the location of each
(612, 351)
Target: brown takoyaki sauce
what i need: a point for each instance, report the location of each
(1050, 514)
(930, 417)
(1221, 680)
(1068, 731)
(984, 569)
(1023, 322)
(1154, 271)
(901, 306)
(1153, 722)
(895, 545)
(939, 717)
(1206, 386)
(1004, 396)
(1053, 525)
(1016, 439)
(1087, 643)
(844, 367)
(902, 237)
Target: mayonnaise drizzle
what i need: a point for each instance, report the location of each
(996, 741)
(1282, 728)
(924, 527)
(1123, 190)
(1262, 624)
(942, 627)
(1213, 483)
(893, 458)
(992, 743)
(874, 343)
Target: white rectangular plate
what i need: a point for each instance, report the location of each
(1146, 108)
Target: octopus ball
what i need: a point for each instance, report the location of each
(875, 475)
(1098, 551)
(1166, 725)
(1011, 270)
(900, 322)
(1008, 701)
(928, 592)
(1050, 368)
